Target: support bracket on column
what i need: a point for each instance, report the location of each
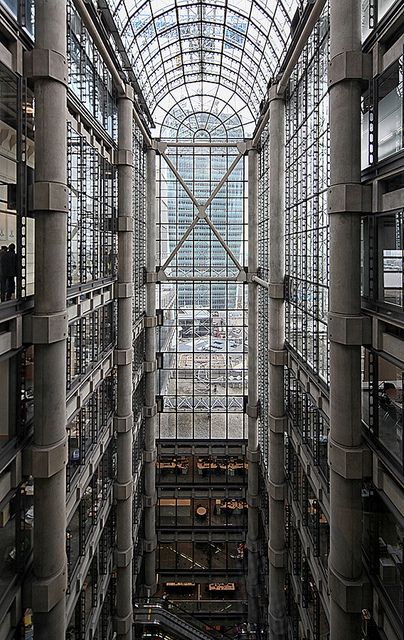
(123, 289)
(123, 357)
(278, 357)
(276, 556)
(149, 322)
(350, 596)
(349, 330)
(149, 412)
(252, 500)
(45, 462)
(45, 329)
(49, 196)
(125, 223)
(276, 290)
(46, 64)
(123, 424)
(277, 424)
(149, 455)
(123, 490)
(149, 366)
(123, 157)
(350, 65)
(349, 198)
(123, 558)
(350, 463)
(46, 593)
(253, 455)
(252, 410)
(123, 626)
(152, 277)
(276, 491)
(150, 545)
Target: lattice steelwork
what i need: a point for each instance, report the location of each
(235, 47)
(263, 297)
(307, 180)
(202, 341)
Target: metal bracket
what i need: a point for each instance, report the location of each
(46, 64)
(349, 198)
(45, 329)
(49, 196)
(351, 463)
(46, 593)
(45, 462)
(349, 330)
(123, 490)
(349, 65)
(123, 424)
(253, 500)
(125, 223)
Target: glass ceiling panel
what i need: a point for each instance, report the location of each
(236, 44)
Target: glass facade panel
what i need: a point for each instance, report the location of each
(390, 110)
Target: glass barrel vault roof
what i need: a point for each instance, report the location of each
(176, 47)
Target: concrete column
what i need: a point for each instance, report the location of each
(46, 64)
(252, 406)
(345, 203)
(123, 357)
(150, 409)
(277, 354)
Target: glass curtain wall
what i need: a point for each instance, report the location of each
(202, 365)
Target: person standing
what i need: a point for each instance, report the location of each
(3, 272)
(11, 265)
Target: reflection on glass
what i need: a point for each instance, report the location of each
(390, 407)
(390, 110)
(389, 234)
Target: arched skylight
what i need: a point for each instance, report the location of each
(234, 45)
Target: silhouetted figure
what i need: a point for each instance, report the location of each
(3, 272)
(11, 263)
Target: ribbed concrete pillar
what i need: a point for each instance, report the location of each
(252, 406)
(346, 201)
(277, 624)
(47, 65)
(123, 489)
(150, 410)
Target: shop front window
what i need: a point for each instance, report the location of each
(383, 547)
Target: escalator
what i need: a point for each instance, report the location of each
(178, 623)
